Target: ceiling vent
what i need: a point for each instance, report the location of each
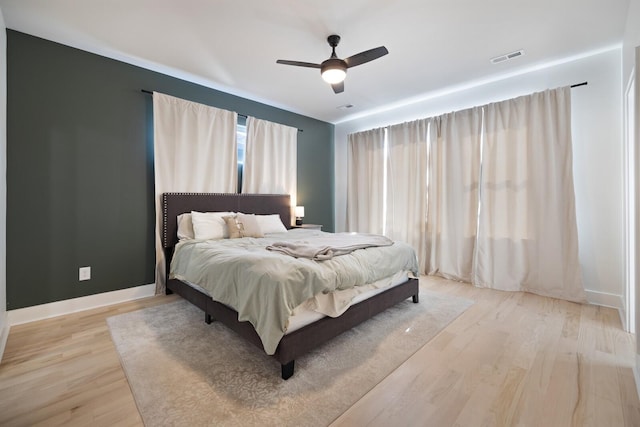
(507, 56)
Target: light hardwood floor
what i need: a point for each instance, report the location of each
(512, 359)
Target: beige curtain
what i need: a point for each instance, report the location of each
(495, 184)
(527, 235)
(454, 171)
(194, 151)
(365, 182)
(406, 218)
(270, 165)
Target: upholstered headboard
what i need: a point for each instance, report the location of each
(174, 204)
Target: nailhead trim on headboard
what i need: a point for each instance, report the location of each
(164, 221)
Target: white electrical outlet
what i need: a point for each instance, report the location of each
(84, 273)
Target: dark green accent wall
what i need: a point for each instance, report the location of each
(80, 168)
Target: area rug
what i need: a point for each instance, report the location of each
(183, 372)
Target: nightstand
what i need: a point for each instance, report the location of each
(309, 226)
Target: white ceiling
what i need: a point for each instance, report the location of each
(233, 45)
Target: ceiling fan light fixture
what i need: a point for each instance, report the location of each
(334, 75)
(333, 70)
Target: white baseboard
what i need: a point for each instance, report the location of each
(605, 299)
(59, 308)
(4, 333)
(608, 300)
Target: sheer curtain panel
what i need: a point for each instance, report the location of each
(454, 172)
(527, 235)
(406, 218)
(270, 165)
(195, 150)
(365, 182)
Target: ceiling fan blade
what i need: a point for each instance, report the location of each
(366, 56)
(338, 87)
(298, 63)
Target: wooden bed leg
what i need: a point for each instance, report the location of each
(208, 318)
(287, 370)
(416, 298)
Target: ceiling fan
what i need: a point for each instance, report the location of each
(334, 69)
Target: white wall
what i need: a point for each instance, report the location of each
(631, 61)
(597, 152)
(4, 322)
(631, 38)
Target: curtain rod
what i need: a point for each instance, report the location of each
(241, 115)
(578, 85)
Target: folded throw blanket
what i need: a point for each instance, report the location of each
(327, 247)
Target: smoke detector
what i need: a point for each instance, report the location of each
(507, 57)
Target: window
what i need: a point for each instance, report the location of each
(241, 137)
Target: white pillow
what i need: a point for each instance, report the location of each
(270, 224)
(209, 225)
(250, 225)
(185, 227)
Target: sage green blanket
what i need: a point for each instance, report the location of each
(265, 286)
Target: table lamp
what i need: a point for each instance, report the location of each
(299, 214)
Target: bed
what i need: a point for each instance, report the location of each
(293, 344)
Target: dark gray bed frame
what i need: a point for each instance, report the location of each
(298, 342)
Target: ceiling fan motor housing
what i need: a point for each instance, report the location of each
(333, 64)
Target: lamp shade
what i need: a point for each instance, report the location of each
(299, 211)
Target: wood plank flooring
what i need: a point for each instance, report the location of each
(512, 359)
(65, 371)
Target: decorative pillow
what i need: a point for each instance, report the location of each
(250, 225)
(270, 224)
(185, 227)
(235, 227)
(209, 225)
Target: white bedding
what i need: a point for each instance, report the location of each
(265, 287)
